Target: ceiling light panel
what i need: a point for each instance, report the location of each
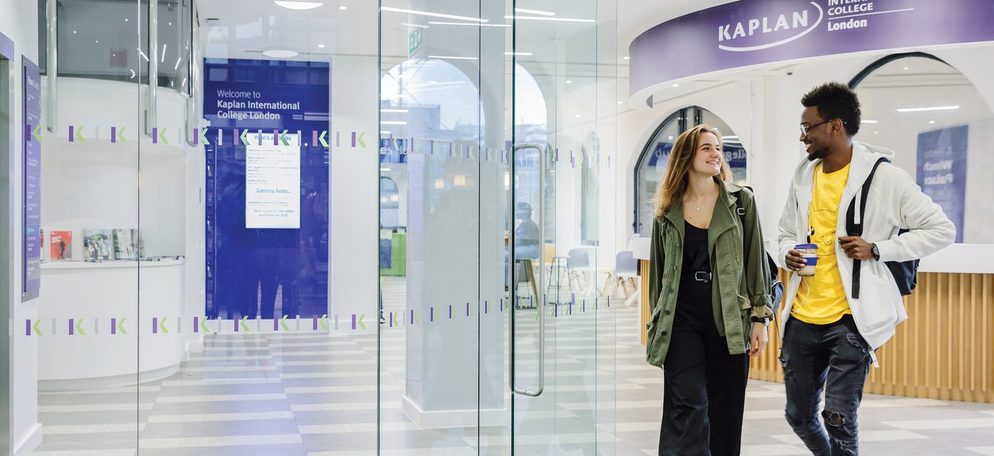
(298, 5)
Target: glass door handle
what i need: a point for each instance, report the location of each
(542, 152)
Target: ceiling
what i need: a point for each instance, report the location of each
(256, 25)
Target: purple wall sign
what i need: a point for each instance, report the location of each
(942, 170)
(750, 32)
(31, 206)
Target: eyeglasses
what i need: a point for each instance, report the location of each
(806, 128)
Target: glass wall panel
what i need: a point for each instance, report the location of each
(442, 360)
(941, 131)
(265, 210)
(82, 333)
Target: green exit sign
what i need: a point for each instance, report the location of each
(413, 41)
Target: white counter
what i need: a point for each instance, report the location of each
(96, 296)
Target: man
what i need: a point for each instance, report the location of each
(526, 235)
(829, 336)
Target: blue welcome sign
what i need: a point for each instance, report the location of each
(268, 270)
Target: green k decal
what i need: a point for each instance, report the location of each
(203, 325)
(162, 325)
(203, 137)
(359, 140)
(36, 133)
(120, 327)
(362, 325)
(286, 142)
(120, 135)
(323, 321)
(79, 327)
(78, 134)
(283, 324)
(242, 137)
(244, 321)
(35, 328)
(162, 136)
(324, 142)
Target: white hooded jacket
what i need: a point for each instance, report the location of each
(894, 202)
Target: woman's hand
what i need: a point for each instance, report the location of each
(759, 339)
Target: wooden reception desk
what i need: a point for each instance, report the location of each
(945, 350)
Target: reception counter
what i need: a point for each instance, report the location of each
(945, 350)
(91, 316)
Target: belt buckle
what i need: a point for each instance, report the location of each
(702, 276)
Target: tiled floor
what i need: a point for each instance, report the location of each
(317, 395)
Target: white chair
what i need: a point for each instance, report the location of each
(625, 274)
(578, 264)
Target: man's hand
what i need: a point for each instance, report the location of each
(795, 261)
(759, 339)
(856, 248)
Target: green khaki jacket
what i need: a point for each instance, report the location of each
(738, 292)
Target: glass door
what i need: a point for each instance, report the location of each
(494, 338)
(562, 327)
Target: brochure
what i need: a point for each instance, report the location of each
(97, 245)
(60, 247)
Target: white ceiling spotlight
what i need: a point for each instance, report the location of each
(470, 24)
(432, 14)
(545, 18)
(297, 5)
(452, 57)
(929, 108)
(280, 53)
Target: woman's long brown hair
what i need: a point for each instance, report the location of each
(674, 184)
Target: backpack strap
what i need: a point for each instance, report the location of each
(740, 210)
(854, 227)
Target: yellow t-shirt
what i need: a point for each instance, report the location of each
(821, 300)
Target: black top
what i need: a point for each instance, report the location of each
(693, 302)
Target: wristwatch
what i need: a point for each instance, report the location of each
(763, 320)
(875, 252)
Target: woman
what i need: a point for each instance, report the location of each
(709, 304)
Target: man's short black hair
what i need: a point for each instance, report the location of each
(835, 101)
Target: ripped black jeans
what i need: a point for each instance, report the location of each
(832, 357)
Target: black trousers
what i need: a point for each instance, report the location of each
(703, 396)
(833, 359)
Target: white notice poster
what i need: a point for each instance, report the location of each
(272, 184)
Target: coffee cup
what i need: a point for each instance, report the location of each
(810, 253)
